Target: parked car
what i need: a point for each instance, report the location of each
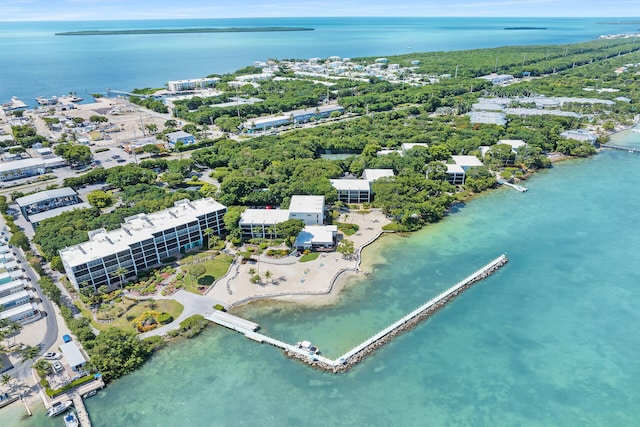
(66, 338)
(57, 366)
(52, 356)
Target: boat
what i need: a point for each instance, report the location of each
(307, 346)
(70, 420)
(89, 394)
(70, 98)
(635, 130)
(58, 408)
(47, 101)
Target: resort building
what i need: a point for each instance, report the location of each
(262, 223)
(15, 299)
(28, 167)
(316, 237)
(192, 84)
(143, 241)
(359, 190)
(580, 135)
(291, 117)
(183, 137)
(46, 200)
(352, 190)
(456, 172)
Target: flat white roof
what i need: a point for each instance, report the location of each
(178, 134)
(467, 161)
(12, 297)
(292, 114)
(57, 211)
(453, 168)
(4, 249)
(316, 234)
(13, 275)
(307, 204)
(411, 145)
(11, 285)
(15, 311)
(514, 143)
(373, 174)
(135, 229)
(351, 184)
(72, 353)
(29, 163)
(9, 265)
(263, 216)
(45, 195)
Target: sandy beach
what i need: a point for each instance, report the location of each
(316, 282)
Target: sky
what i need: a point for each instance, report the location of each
(82, 10)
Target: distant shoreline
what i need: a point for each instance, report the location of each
(181, 31)
(525, 28)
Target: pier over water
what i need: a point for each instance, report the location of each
(367, 347)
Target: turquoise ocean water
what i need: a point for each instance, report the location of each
(35, 62)
(551, 339)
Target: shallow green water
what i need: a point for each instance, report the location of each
(551, 339)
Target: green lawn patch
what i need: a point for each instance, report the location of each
(310, 257)
(125, 311)
(214, 269)
(347, 229)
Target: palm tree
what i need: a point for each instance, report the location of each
(42, 365)
(29, 352)
(152, 303)
(119, 273)
(14, 328)
(5, 379)
(267, 275)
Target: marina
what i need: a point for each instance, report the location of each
(308, 353)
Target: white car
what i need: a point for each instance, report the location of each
(52, 356)
(57, 366)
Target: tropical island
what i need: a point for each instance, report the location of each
(180, 31)
(362, 145)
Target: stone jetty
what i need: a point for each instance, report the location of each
(369, 346)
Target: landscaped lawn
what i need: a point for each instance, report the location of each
(215, 268)
(174, 308)
(310, 257)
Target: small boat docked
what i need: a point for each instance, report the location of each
(58, 408)
(89, 394)
(6, 399)
(307, 346)
(47, 101)
(70, 420)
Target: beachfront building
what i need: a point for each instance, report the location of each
(28, 167)
(143, 242)
(352, 190)
(359, 190)
(580, 135)
(316, 237)
(262, 223)
(457, 171)
(191, 84)
(180, 136)
(309, 209)
(291, 117)
(46, 200)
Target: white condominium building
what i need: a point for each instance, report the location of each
(142, 242)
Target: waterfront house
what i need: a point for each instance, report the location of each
(580, 135)
(262, 223)
(73, 355)
(457, 171)
(314, 237)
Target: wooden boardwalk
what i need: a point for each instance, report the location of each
(620, 147)
(81, 411)
(359, 352)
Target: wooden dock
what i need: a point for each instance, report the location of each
(81, 411)
(367, 347)
(620, 147)
(232, 322)
(519, 188)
